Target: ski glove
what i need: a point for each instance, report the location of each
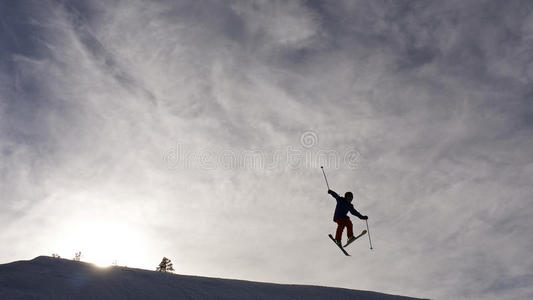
(364, 218)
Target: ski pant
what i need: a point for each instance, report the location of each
(341, 223)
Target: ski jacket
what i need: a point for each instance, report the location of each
(343, 207)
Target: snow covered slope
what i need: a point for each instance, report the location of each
(59, 279)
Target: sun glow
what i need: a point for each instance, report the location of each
(103, 243)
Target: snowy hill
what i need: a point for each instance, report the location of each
(58, 279)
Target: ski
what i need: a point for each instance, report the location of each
(360, 235)
(340, 246)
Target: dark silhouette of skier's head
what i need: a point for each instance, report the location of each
(348, 196)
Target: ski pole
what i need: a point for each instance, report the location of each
(368, 231)
(325, 176)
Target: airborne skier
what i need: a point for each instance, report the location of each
(344, 205)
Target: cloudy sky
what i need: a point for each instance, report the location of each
(132, 130)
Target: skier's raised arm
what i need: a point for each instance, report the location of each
(335, 195)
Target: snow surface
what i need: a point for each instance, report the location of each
(58, 279)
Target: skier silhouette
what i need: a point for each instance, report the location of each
(344, 205)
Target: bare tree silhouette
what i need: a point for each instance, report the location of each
(165, 265)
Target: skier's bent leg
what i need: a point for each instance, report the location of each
(349, 225)
(340, 228)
